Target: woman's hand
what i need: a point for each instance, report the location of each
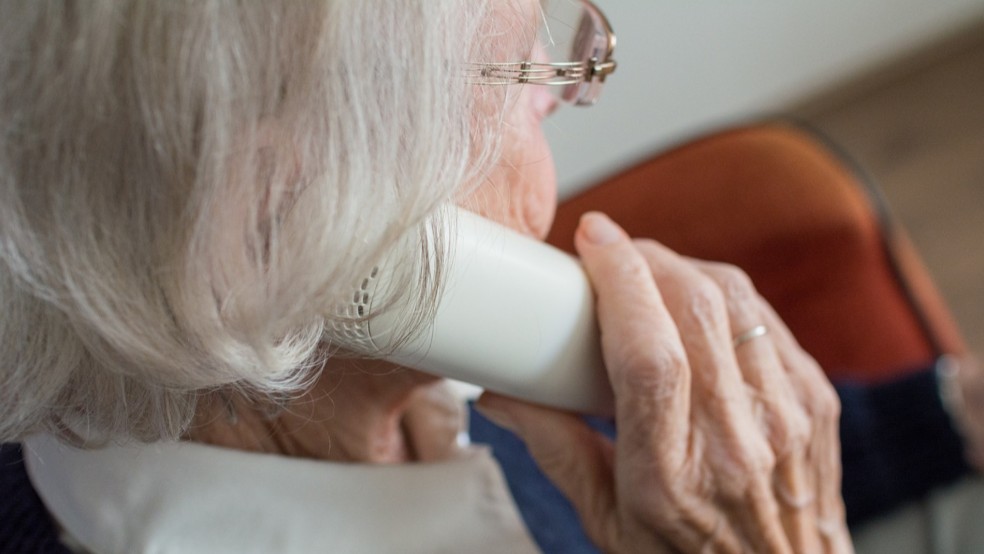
(724, 444)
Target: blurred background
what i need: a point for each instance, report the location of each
(898, 83)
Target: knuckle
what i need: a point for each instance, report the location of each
(762, 460)
(789, 426)
(647, 367)
(734, 281)
(828, 403)
(798, 432)
(751, 461)
(705, 300)
(756, 457)
(822, 401)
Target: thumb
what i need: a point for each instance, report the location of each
(577, 459)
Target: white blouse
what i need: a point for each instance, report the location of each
(188, 498)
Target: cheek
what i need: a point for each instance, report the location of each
(539, 187)
(521, 190)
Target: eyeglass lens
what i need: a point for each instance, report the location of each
(573, 32)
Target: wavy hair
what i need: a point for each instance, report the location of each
(188, 187)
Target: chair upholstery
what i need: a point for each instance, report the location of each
(778, 201)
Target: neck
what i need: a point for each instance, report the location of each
(357, 411)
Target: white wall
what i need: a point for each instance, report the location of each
(685, 65)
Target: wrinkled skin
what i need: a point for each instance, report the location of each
(720, 448)
(356, 412)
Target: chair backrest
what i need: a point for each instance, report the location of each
(783, 204)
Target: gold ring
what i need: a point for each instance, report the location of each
(753, 333)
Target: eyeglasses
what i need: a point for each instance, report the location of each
(572, 30)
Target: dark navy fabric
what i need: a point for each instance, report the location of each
(548, 515)
(25, 526)
(897, 445)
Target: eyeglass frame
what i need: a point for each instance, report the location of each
(554, 73)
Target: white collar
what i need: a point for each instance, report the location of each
(186, 497)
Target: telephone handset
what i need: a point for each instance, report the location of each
(516, 317)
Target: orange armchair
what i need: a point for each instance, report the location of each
(812, 232)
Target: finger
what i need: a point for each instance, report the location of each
(642, 349)
(797, 497)
(800, 366)
(578, 460)
(650, 375)
(742, 456)
(786, 422)
(823, 450)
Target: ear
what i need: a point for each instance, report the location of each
(275, 166)
(261, 181)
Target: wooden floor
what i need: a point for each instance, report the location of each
(917, 126)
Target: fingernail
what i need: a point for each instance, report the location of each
(599, 229)
(500, 418)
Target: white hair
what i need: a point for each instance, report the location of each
(188, 188)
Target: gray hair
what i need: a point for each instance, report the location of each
(187, 188)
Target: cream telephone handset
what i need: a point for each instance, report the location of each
(516, 317)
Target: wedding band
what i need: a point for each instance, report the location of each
(792, 501)
(753, 333)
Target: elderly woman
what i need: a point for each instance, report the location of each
(189, 189)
